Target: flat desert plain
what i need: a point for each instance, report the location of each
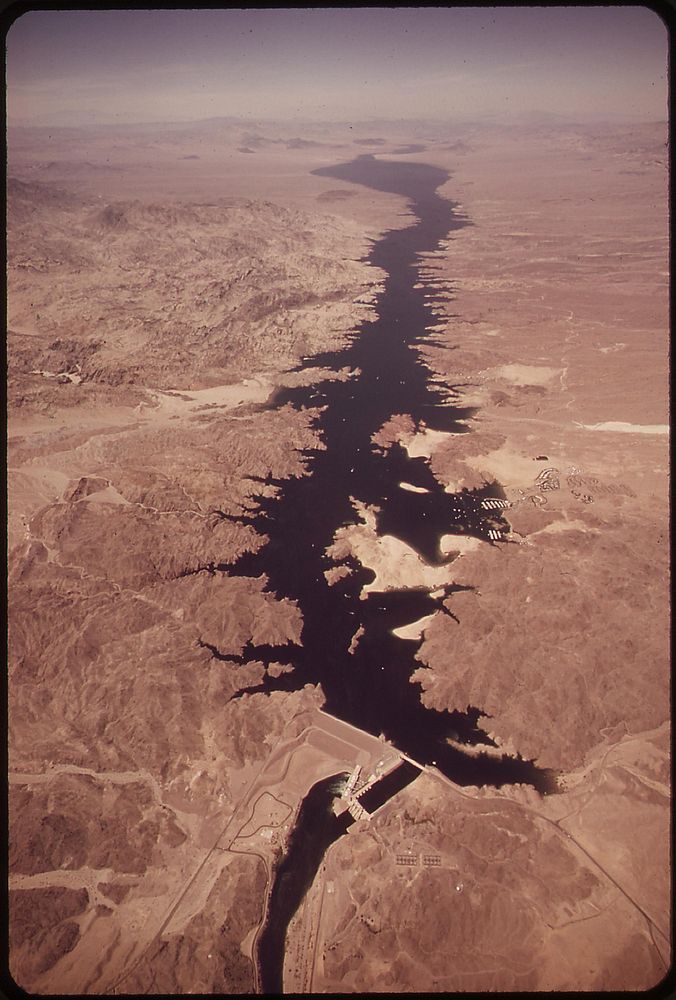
(163, 284)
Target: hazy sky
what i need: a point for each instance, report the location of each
(72, 67)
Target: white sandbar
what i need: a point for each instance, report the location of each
(622, 427)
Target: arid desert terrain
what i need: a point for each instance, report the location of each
(164, 285)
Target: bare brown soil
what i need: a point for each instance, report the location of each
(452, 891)
(161, 286)
(560, 292)
(148, 325)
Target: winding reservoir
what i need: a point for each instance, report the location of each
(370, 685)
(367, 682)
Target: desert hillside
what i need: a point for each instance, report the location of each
(144, 340)
(163, 286)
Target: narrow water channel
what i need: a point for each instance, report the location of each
(367, 682)
(317, 827)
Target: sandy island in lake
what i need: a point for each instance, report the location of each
(395, 564)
